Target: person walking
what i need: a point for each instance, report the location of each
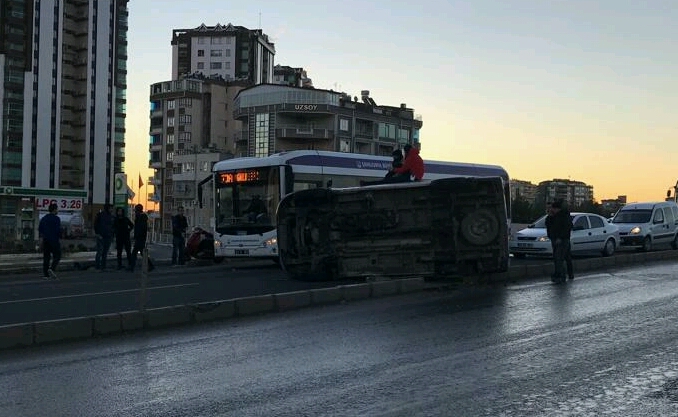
(559, 229)
(140, 234)
(103, 230)
(179, 227)
(49, 230)
(122, 226)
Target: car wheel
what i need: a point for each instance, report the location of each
(608, 250)
(674, 244)
(480, 228)
(647, 244)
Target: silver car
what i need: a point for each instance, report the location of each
(590, 233)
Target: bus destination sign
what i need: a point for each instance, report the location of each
(239, 177)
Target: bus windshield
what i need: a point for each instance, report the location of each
(246, 200)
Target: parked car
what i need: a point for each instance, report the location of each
(590, 233)
(645, 225)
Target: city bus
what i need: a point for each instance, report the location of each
(247, 191)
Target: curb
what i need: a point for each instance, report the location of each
(79, 328)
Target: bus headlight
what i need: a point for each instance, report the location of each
(635, 231)
(270, 242)
(217, 243)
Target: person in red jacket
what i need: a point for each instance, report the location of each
(413, 165)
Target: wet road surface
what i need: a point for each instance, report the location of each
(603, 344)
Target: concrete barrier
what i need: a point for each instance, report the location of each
(107, 324)
(411, 285)
(291, 300)
(254, 305)
(64, 329)
(168, 316)
(384, 288)
(322, 296)
(131, 320)
(203, 312)
(355, 292)
(16, 335)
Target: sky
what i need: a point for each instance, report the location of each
(577, 89)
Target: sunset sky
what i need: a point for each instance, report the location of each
(578, 89)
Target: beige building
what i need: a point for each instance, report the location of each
(192, 127)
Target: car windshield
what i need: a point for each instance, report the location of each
(541, 222)
(632, 216)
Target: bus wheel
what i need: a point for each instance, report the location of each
(218, 259)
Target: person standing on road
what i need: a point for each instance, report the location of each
(179, 227)
(122, 226)
(140, 234)
(103, 230)
(559, 229)
(50, 233)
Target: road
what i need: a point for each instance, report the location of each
(28, 298)
(603, 344)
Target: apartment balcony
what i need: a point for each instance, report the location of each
(303, 132)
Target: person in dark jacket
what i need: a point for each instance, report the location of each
(50, 233)
(413, 165)
(179, 228)
(559, 229)
(122, 226)
(140, 234)
(103, 230)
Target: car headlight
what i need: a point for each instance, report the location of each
(271, 242)
(543, 239)
(217, 243)
(635, 231)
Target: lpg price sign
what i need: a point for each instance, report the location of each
(63, 203)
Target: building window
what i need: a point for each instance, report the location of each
(261, 135)
(343, 125)
(201, 65)
(188, 167)
(227, 65)
(215, 65)
(170, 156)
(170, 121)
(215, 52)
(170, 104)
(184, 137)
(216, 41)
(185, 119)
(403, 135)
(201, 52)
(186, 102)
(344, 145)
(170, 138)
(201, 41)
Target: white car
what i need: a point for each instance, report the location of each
(590, 233)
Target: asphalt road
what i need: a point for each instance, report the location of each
(28, 298)
(603, 344)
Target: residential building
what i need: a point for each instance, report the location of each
(574, 193)
(63, 70)
(232, 52)
(294, 77)
(282, 118)
(191, 127)
(525, 190)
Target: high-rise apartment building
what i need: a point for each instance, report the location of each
(192, 127)
(232, 52)
(62, 104)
